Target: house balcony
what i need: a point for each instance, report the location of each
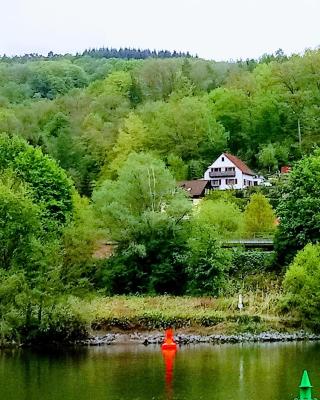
(222, 174)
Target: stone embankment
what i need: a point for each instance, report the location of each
(185, 339)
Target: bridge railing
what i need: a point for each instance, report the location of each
(253, 242)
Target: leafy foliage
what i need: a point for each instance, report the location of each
(259, 217)
(299, 207)
(246, 262)
(301, 283)
(126, 130)
(224, 216)
(143, 211)
(51, 188)
(207, 262)
(19, 223)
(143, 196)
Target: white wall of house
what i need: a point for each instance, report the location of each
(249, 180)
(238, 181)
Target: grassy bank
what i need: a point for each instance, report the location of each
(69, 318)
(198, 315)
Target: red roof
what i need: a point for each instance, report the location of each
(240, 164)
(285, 169)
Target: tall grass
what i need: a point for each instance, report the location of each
(157, 312)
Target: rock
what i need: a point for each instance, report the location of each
(185, 339)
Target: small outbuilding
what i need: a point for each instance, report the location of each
(196, 189)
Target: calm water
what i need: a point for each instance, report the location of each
(228, 372)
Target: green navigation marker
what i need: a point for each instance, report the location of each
(305, 387)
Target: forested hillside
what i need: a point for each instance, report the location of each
(90, 113)
(91, 148)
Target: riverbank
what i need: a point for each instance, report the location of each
(157, 338)
(143, 319)
(190, 315)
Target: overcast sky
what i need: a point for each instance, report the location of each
(213, 29)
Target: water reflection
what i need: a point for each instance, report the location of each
(135, 372)
(169, 356)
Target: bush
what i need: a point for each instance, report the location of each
(251, 262)
(207, 262)
(51, 188)
(298, 208)
(221, 215)
(152, 268)
(121, 275)
(259, 217)
(60, 324)
(301, 284)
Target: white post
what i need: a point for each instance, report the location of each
(240, 303)
(299, 132)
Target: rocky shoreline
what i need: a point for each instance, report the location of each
(185, 339)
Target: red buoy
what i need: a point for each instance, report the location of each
(169, 343)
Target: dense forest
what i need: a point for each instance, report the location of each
(91, 148)
(89, 113)
(103, 52)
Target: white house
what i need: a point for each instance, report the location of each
(229, 172)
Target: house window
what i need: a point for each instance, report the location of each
(229, 168)
(216, 182)
(231, 181)
(245, 182)
(217, 169)
(222, 158)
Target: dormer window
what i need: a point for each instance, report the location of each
(222, 158)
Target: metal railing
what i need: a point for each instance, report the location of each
(254, 242)
(222, 174)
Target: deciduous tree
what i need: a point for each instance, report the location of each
(259, 217)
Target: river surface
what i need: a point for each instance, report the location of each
(131, 372)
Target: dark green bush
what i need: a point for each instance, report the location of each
(301, 285)
(246, 262)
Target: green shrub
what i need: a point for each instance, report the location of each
(298, 208)
(60, 324)
(251, 261)
(302, 284)
(51, 188)
(259, 217)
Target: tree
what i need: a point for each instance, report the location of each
(144, 194)
(52, 78)
(51, 188)
(207, 263)
(267, 157)
(19, 223)
(185, 128)
(131, 138)
(299, 206)
(223, 216)
(231, 108)
(8, 121)
(81, 237)
(157, 78)
(259, 217)
(177, 167)
(301, 283)
(144, 212)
